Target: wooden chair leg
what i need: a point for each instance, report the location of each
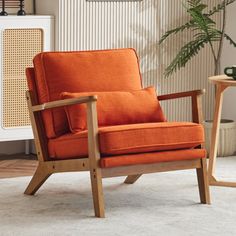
(132, 179)
(40, 176)
(203, 184)
(97, 190)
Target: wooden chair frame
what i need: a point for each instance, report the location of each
(46, 167)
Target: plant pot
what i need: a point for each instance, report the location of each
(227, 137)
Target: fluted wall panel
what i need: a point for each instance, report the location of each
(83, 25)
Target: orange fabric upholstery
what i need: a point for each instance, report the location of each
(82, 72)
(152, 157)
(116, 108)
(149, 137)
(69, 146)
(128, 139)
(30, 75)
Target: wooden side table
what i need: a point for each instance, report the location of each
(222, 82)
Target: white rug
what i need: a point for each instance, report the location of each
(157, 204)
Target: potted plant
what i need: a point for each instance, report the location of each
(206, 32)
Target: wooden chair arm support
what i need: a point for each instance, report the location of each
(192, 93)
(196, 97)
(64, 102)
(91, 119)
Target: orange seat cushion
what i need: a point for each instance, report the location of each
(116, 108)
(87, 71)
(128, 139)
(152, 157)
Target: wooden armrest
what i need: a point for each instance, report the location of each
(37, 124)
(64, 102)
(196, 97)
(192, 93)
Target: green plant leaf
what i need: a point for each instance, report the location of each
(176, 30)
(205, 32)
(199, 7)
(188, 51)
(185, 54)
(231, 41)
(220, 7)
(193, 3)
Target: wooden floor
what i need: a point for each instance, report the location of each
(17, 165)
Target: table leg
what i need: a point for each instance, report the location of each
(215, 139)
(215, 130)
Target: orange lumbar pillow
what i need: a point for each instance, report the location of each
(116, 108)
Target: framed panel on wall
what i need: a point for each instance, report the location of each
(12, 6)
(21, 38)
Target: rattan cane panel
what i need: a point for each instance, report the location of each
(19, 48)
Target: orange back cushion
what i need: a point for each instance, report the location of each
(116, 108)
(87, 71)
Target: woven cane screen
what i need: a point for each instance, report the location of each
(19, 48)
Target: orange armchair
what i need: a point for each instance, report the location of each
(89, 113)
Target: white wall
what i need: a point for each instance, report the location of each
(228, 59)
